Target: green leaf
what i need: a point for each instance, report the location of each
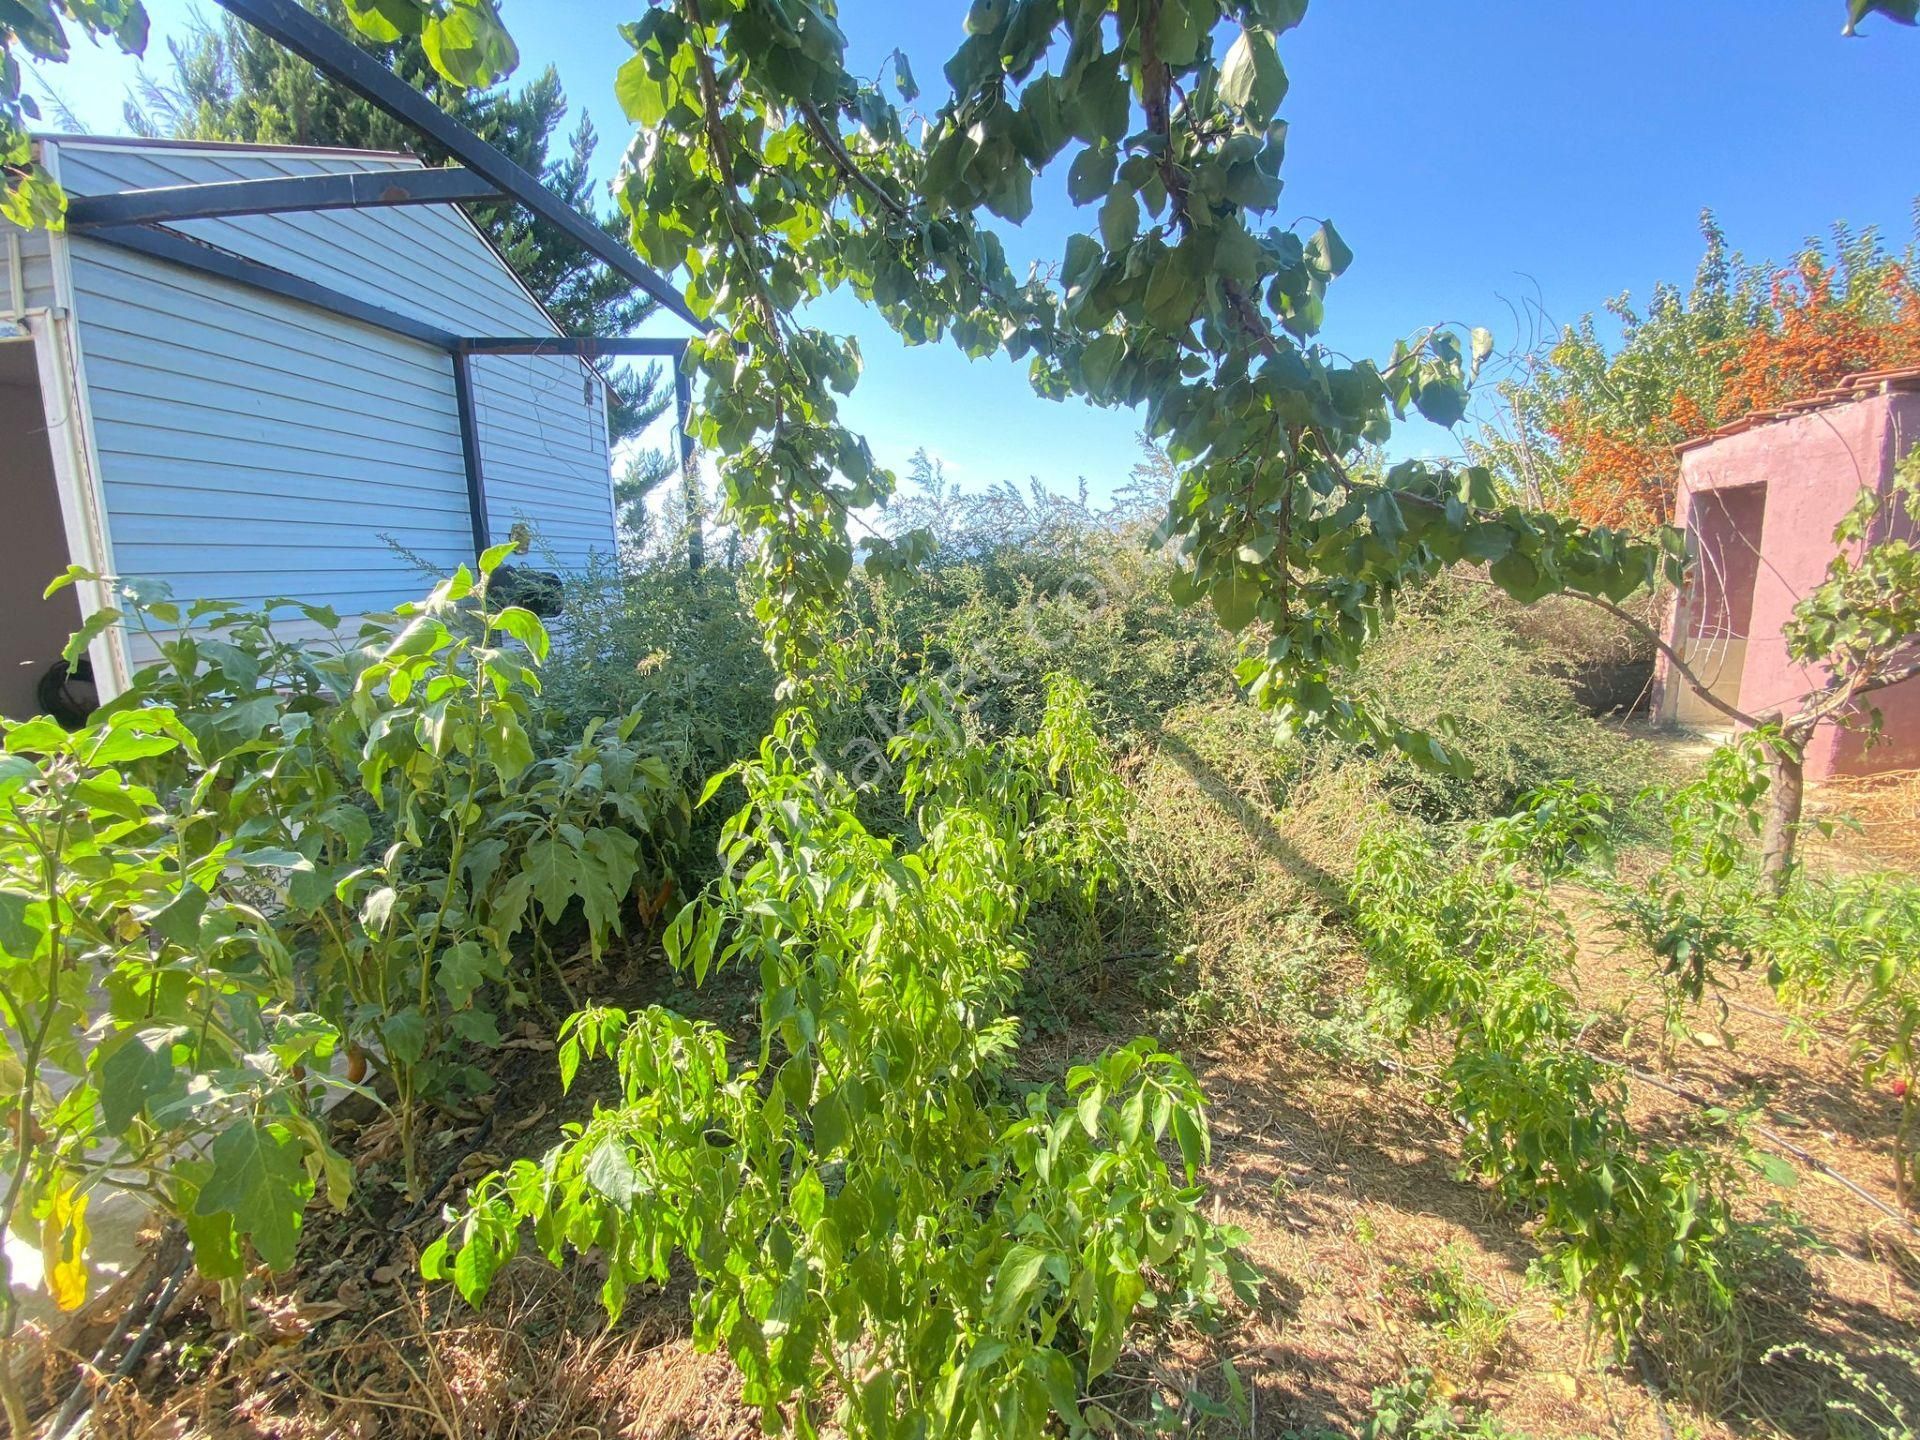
(138, 1069)
(1119, 218)
(1082, 263)
(20, 935)
(91, 629)
(1487, 541)
(829, 1124)
(462, 969)
(259, 1180)
(610, 1173)
(492, 559)
(1091, 175)
(1099, 361)
(1327, 252)
(476, 1027)
(1235, 601)
(1252, 79)
(903, 77)
(386, 21)
(218, 1253)
(641, 96)
(404, 1033)
(1443, 401)
(550, 865)
(1015, 1282)
(38, 736)
(1191, 1137)
(469, 46)
(179, 919)
(524, 626)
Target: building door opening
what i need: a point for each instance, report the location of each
(1724, 534)
(33, 629)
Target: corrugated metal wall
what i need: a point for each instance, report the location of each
(250, 446)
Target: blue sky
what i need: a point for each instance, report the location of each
(1474, 156)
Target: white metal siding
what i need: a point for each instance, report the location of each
(251, 447)
(36, 268)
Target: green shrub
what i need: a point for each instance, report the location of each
(265, 852)
(1464, 942)
(1453, 663)
(1844, 948)
(1237, 853)
(680, 647)
(880, 1234)
(992, 621)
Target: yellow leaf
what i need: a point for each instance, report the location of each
(63, 1245)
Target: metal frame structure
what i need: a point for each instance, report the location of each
(138, 220)
(340, 60)
(355, 190)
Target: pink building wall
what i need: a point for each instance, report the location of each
(1812, 465)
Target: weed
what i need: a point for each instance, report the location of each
(1414, 1408)
(1469, 1326)
(1860, 1406)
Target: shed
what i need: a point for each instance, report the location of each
(271, 409)
(1758, 501)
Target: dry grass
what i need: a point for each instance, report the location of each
(1880, 815)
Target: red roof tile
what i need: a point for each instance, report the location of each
(1854, 387)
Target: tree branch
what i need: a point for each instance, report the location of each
(1699, 686)
(825, 133)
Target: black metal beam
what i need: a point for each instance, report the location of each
(355, 191)
(470, 452)
(588, 347)
(177, 249)
(321, 45)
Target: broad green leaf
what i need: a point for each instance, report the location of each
(1015, 1283)
(258, 1179)
(1252, 78)
(136, 1070)
(469, 45)
(404, 1034)
(525, 627)
(610, 1172)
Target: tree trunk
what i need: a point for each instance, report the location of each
(1786, 795)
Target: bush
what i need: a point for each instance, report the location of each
(680, 647)
(992, 622)
(1453, 663)
(868, 1188)
(1465, 944)
(265, 852)
(1238, 852)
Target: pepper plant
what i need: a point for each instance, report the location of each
(1702, 908)
(884, 1232)
(184, 1084)
(1464, 943)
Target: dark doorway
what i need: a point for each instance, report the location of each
(33, 630)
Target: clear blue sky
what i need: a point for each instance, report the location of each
(1472, 155)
